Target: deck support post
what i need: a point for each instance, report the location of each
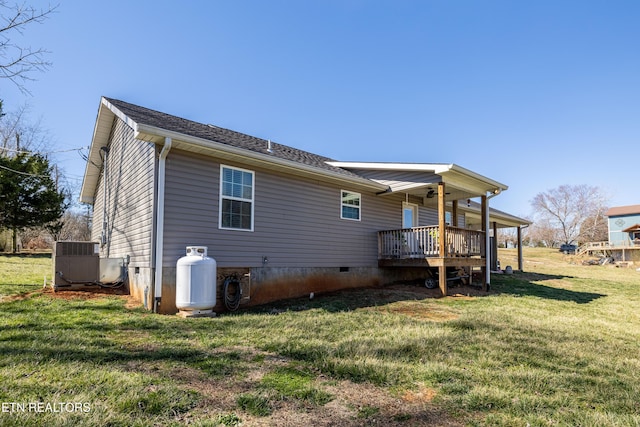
(442, 241)
(485, 283)
(494, 249)
(520, 261)
(442, 279)
(454, 213)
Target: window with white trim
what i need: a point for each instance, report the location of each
(236, 198)
(350, 205)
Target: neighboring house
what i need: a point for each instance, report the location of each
(624, 236)
(624, 225)
(284, 221)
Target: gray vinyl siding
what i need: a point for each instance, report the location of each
(427, 216)
(130, 195)
(296, 220)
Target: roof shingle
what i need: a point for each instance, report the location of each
(220, 135)
(623, 210)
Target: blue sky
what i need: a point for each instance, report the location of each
(533, 94)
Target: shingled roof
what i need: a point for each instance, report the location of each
(623, 210)
(220, 135)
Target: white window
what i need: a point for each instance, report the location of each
(236, 198)
(448, 218)
(350, 205)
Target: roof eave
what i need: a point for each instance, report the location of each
(101, 131)
(449, 172)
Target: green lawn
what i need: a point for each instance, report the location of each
(24, 273)
(557, 345)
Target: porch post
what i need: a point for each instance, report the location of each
(494, 252)
(486, 242)
(454, 213)
(442, 242)
(520, 263)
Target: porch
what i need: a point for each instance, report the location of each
(421, 242)
(428, 247)
(621, 251)
(439, 193)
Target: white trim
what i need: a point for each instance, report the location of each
(414, 213)
(431, 167)
(487, 241)
(132, 124)
(437, 168)
(241, 199)
(359, 207)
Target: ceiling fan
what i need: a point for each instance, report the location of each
(431, 193)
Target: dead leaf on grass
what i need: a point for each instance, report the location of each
(424, 394)
(419, 310)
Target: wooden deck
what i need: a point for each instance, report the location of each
(422, 247)
(424, 242)
(608, 249)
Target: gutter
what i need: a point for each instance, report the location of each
(159, 242)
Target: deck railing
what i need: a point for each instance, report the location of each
(420, 242)
(603, 246)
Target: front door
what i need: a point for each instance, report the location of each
(409, 220)
(409, 215)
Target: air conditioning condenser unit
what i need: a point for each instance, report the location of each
(75, 264)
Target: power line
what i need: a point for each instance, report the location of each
(13, 150)
(23, 173)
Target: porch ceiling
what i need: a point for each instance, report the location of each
(421, 179)
(473, 209)
(429, 193)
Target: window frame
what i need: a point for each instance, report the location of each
(343, 205)
(222, 197)
(415, 213)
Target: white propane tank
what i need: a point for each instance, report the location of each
(196, 282)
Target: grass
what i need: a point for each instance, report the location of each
(557, 345)
(24, 272)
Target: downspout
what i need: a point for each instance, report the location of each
(487, 243)
(105, 176)
(157, 280)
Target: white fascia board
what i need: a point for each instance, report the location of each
(100, 138)
(430, 167)
(152, 133)
(491, 183)
(495, 215)
(101, 132)
(132, 124)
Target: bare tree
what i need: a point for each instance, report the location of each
(595, 228)
(566, 208)
(19, 133)
(76, 225)
(17, 63)
(507, 236)
(543, 234)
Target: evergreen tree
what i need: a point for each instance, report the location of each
(28, 194)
